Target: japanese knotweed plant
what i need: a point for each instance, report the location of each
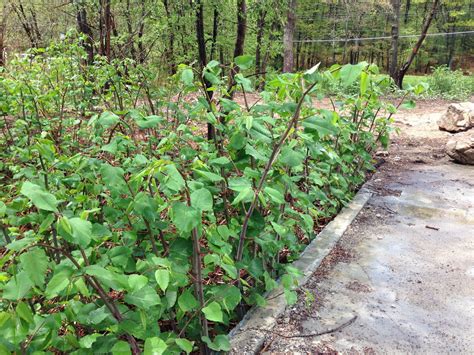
(134, 232)
(55, 90)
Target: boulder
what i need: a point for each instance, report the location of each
(461, 148)
(459, 117)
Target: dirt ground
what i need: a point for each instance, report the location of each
(401, 278)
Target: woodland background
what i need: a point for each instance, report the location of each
(165, 33)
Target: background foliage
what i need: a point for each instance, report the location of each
(162, 32)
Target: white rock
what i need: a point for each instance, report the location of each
(461, 148)
(459, 117)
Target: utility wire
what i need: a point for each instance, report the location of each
(377, 38)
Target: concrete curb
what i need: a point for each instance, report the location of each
(249, 335)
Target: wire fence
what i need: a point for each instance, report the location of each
(361, 39)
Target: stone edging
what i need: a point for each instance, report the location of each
(246, 338)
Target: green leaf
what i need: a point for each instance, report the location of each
(187, 77)
(87, 341)
(237, 141)
(291, 157)
(281, 231)
(213, 312)
(81, 232)
(64, 228)
(117, 281)
(410, 104)
(46, 223)
(57, 283)
(228, 295)
(24, 312)
(185, 345)
(4, 317)
(20, 244)
(244, 82)
(275, 195)
(145, 206)
(113, 176)
(174, 180)
(212, 78)
(98, 315)
(230, 269)
(4, 350)
(137, 282)
(3, 209)
(108, 119)
(313, 69)
(350, 73)
(308, 221)
(322, 125)
(145, 298)
(420, 88)
(42, 199)
(149, 121)
(35, 264)
(260, 301)
(220, 343)
(220, 161)
(290, 296)
(121, 348)
(364, 82)
(154, 346)
(245, 195)
(244, 61)
(202, 200)
(17, 287)
(239, 184)
(209, 176)
(184, 217)
(256, 153)
(171, 297)
(187, 301)
(162, 277)
(213, 65)
(228, 105)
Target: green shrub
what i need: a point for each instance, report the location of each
(448, 84)
(123, 227)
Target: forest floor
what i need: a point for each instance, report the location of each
(400, 280)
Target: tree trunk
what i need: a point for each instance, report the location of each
(3, 29)
(101, 28)
(131, 42)
(288, 35)
(396, 4)
(35, 26)
(203, 57)
(170, 51)
(141, 30)
(404, 68)
(298, 53)
(239, 43)
(105, 28)
(215, 28)
(29, 24)
(407, 11)
(451, 44)
(200, 33)
(263, 65)
(258, 49)
(241, 27)
(108, 28)
(85, 29)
